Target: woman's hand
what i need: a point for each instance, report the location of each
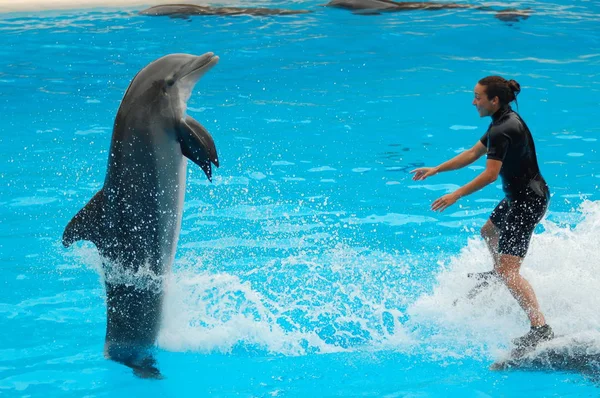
(424, 172)
(444, 202)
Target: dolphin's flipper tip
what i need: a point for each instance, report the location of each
(207, 170)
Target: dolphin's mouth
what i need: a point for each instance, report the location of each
(201, 65)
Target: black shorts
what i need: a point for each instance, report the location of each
(516, 219)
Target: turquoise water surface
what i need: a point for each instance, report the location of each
(312, 265)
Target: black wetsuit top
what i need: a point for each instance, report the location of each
(509, 140)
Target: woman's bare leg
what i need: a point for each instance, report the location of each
(508, 269)
(490, 235)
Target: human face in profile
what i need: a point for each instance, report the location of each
(485, 106)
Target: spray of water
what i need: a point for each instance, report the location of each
(349, 298)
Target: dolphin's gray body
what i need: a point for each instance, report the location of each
(374, 7)
(577, 354)
(378, 6)
(134, 220)
(186, 10)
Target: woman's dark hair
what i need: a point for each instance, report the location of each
(505, 90)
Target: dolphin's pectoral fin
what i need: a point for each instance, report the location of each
(86, 224)
(198, 145)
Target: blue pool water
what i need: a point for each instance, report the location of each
(312, 265)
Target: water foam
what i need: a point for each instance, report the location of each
(343, 297)
(561, 265)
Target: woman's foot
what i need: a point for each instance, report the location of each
(536, 335)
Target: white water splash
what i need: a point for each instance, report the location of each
(562, 267)
(347, 298)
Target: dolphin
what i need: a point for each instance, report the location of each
(513, 14)
(186, 10)
(375, 7)
(576, 353)
(134, 220)
(366, 7)
(485, 279)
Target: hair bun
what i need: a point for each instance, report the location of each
(514, 86)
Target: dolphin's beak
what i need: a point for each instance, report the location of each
(199, 66)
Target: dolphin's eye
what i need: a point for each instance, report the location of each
(170, 82)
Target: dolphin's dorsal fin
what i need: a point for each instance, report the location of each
(87, 224)
(198, 145)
